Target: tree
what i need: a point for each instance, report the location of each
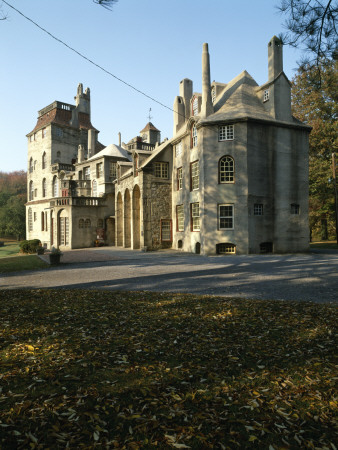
(311, 24)
(13, 196)
(314, 102)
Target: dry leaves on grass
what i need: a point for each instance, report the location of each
(88, 369)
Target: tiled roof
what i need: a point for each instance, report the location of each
(148, 127)
(62, 117)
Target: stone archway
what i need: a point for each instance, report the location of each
(127, 219)
(136, 217)
(119, 220)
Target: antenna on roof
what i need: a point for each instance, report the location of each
(149, 116)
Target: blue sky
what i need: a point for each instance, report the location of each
(150, 44)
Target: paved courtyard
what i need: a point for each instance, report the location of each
(312, 276)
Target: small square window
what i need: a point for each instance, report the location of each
(161, 169)
(258, 209)
(294, 208)
(226, 133)
(266, 95)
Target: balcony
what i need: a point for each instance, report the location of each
(77, 201)
(56, 167)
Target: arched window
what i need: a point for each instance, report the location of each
(87, 223)
(44, 187)
(99, 223)
(81, 223)
(193, 136)
(31, 190)
(30, 219)
(226, 170)
(94, 188)
(31, 165)
(55, 187)
(44, 160)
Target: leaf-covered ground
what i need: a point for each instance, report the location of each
(98, 369)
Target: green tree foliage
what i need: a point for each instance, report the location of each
(13, 196)
(311, 25)
(314, 101)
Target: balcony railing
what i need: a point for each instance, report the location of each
(77, 201)
(56, 167)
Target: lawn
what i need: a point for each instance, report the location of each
(99, 369)
(24, 262)
(10, 248)
(327, 244)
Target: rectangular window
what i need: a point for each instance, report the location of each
(266, 95)
(35, 217)
(195, 175)
(99, 170)
(166, 230)
(46, 224)
(226, 217)
(42, 221)
(112, 171)
(35, 192)
(43, 132)
(258, 209)
(161, 169)
(178, 149)
(294, 208)
(194, 136)
(226, 133)
(195, 216)
(64, 230)
(86, 173)
(30, 220)
(180, 217)
(179, 178)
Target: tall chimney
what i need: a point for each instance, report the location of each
(91, 142)
(275, 58)
(207, 106)
(80, 154)
(119, 139)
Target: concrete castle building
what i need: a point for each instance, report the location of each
(232, 179)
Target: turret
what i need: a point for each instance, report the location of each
(207, 106)
(82, 104)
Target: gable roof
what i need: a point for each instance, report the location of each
(112, 150)
(148, 127)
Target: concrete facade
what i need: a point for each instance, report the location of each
(232, 179)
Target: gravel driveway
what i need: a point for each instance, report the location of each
(312, 276)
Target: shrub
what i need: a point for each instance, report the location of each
(30, 246)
